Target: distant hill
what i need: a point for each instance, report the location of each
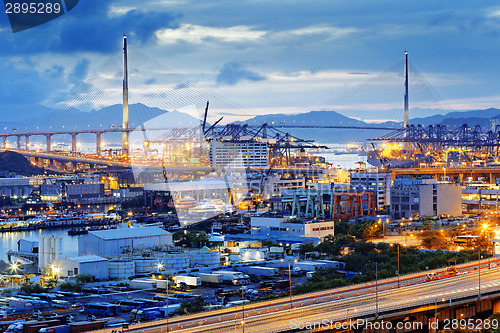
(14, 162)
(322, 118)
(107, 117)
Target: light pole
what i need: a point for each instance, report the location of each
(479, 275)
(243, 310)
(398, 265)
(376, 290)
(290, 281)
(160, 269)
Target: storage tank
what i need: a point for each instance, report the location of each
(121, 269)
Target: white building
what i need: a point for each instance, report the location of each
(425, 197)
(236, 153)
(378, 182)
(283, 227)
(117, 241)
(95, 266)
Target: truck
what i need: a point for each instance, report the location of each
(154, 313)
(142, 284)
(56, 329)
(281, 284)
(234, 278)
(85, 326)
(191, 281)
(210, 279)
(263, 271)
(310, 265)
(297, 271)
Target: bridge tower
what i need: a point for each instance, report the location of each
(125, 134)
(406, 104)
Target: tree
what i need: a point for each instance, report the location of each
(28, 288)
(342, 228)
(192, 306)
(364, 229)
(70, 286)
(50, 283)
(306, 247)
(433, 239)
(84, 279)
(331, 245)
(193, 238)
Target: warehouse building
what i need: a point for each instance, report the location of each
(95, 266)
(118, 241)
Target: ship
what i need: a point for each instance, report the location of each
(182, 203)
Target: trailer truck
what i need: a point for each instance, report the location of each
(263, 271)
(210, 279)
(232, 277)
(190, 281)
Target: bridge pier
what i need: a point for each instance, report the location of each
(27, 142)
(73, 142)
(19, 142)
(4, 142)
(98, 143)
(496, 305)
(48, 143)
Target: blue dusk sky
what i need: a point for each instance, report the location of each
(252, 57)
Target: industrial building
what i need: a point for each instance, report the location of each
(284, 227)
(239, 153)
(118, 241)
(378, 182)
(95, 266)
(425, 196)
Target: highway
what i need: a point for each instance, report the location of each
(335, 305)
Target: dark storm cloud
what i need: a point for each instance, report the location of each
(233, 72)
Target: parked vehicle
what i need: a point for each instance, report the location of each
(56, 329)
(210, 278)
(57, 303)
(153, 313)
(129, 305)
(102, 309)
(191, 281)
(237, 303)
(263, 271)
(234, 278)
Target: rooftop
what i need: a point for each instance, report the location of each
(129, 233)
(91, 258)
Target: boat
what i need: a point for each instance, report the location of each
(182, 203)
(205, 207)
(76, 232)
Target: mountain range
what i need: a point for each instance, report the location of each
(140, 114)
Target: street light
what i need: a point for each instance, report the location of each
(14, 266)
(290, 281)
(376, 290)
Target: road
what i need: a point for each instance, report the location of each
(337, 304)
(325, 314)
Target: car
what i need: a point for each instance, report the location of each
(76, 305)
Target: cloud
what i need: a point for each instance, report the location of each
(330, 32)
(233, 72)
(80, 71)
(24, 83)
(197, 34)
(89, 27)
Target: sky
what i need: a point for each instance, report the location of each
(253, 57)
